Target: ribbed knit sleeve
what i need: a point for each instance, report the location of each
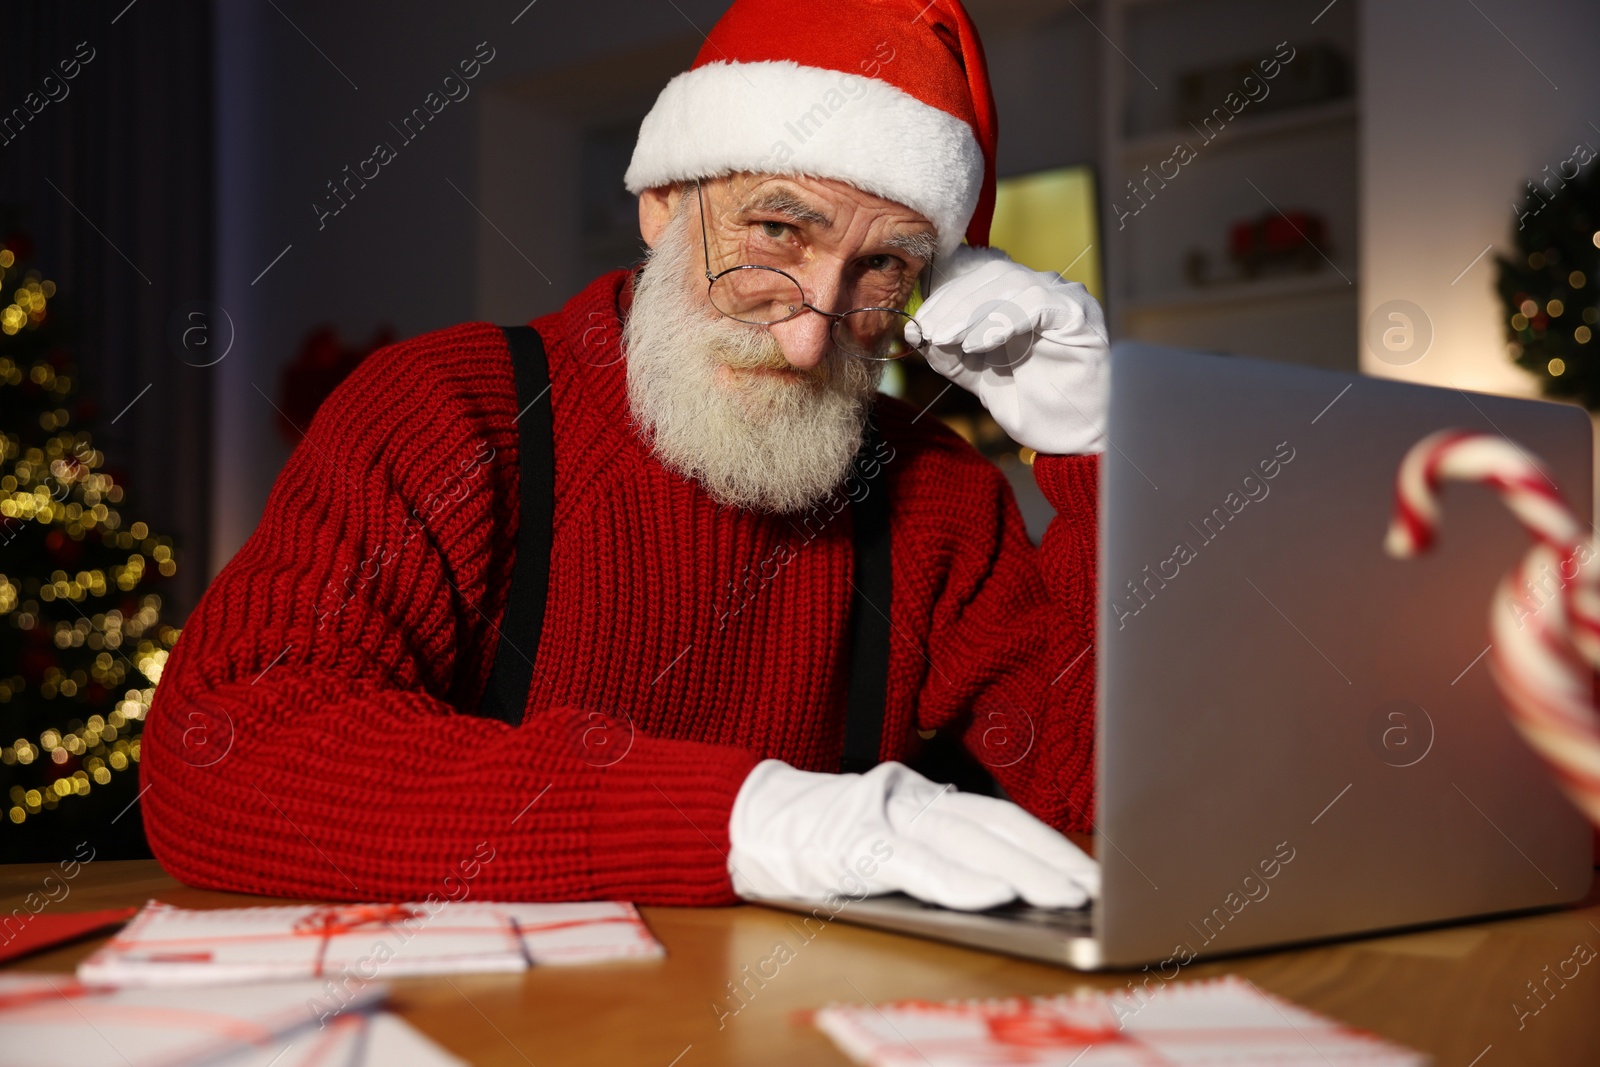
(304, 740)
(1011, 647)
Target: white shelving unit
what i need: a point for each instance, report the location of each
(1246, 129)
(1261, 162)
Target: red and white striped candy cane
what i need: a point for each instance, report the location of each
(1545, 620)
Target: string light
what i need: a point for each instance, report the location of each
(27, 308)
(99, 743)
(60, 483)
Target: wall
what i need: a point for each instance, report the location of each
(1462, 103)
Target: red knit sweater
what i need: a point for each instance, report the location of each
(304, 741)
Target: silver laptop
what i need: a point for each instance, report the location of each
(1298, 736)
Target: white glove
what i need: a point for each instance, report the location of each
(1029, 345)
(800, 834)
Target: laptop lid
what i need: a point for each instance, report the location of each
(1299, 737)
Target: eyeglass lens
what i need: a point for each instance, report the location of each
(762, 296)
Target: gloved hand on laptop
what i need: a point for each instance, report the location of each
(1031, 346)
(808, 835)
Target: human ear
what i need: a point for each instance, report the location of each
(655, 211)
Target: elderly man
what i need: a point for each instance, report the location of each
(680, 740)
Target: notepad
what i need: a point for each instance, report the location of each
(165, 945)
(43, 1018)
(378, 1039)
(586, 932)
(1187, 1024)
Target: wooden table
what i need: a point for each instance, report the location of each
(1448, 991)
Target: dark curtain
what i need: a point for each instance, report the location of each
(113, 181)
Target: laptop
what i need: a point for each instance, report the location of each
(1298, 737)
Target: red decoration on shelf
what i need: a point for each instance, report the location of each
(1274, 238)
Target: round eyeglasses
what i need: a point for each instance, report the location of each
(763, 296)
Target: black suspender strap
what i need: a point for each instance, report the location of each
(869, 612)
(507, 693)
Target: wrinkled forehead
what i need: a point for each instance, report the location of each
(805, 193)
(828, 210)
(823, 207)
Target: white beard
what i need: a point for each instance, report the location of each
(774, 442)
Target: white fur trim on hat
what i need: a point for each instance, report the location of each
(778, 117)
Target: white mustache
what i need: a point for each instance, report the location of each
(753, 348)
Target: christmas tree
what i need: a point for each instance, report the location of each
(82, 642)
(1551, 286)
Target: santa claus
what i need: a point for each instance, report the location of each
(689, 724)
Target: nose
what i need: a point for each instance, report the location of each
(806, 337)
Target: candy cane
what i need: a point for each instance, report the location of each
(1545, 619)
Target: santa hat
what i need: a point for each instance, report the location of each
(890, 96)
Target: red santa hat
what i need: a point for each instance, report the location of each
(890, 96)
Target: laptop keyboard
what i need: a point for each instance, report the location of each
(1070, 922)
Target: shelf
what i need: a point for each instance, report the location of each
(1300, 157)
(1222, 293)
(1243, 130)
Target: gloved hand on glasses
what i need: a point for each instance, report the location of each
(801, 834)
(1029, 345)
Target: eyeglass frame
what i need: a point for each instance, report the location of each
(924, 280)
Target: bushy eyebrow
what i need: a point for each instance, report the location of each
(918, 244)
(785, 203)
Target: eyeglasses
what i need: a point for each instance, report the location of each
(763, 296)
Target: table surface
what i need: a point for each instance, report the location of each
(1451, 991)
